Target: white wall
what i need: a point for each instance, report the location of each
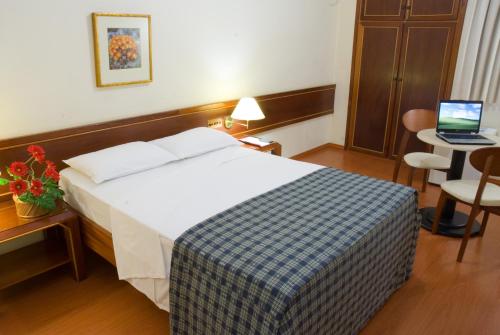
(300, 137)
(346, 14)
(203, 51)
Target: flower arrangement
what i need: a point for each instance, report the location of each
(42, 190)
(123, 52)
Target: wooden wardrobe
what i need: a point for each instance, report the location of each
(404, 58)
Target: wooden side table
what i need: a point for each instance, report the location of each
(273, 147)
(29, 261)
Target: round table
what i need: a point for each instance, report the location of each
(452, 221)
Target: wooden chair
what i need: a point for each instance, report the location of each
(414, 121)
(483, 194)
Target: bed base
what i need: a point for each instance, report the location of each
(97, 239)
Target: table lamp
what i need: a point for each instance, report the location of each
(247, 109)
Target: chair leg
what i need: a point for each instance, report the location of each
(397, 166)
(470, 222)
(438, 212)
(410, 176)
(424, 180)
(484, 222)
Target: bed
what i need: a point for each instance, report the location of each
(239, 241)
(197, 188)
(338, 276)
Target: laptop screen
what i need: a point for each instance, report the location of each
(459, 116)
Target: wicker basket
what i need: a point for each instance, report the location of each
(28, 211)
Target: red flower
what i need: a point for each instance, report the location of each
(50, 164)
(18, 187)
(37, 152)
(36, 187)
(18, 169)
(51, 173)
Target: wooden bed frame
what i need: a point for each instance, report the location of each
(97, 239)
(281, 109)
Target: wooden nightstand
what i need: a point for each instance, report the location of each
(40, 257)
(273, 147)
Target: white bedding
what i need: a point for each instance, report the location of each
(147, 211)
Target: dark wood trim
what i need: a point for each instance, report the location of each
(281, 109)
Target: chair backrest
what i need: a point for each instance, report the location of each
(416, 120)
(479, 159)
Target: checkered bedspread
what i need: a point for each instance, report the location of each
(319, 255)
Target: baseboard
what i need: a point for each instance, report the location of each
(336, 146)
(316, 149)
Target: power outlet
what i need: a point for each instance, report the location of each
(215, 123)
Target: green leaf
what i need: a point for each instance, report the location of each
(52, 189)
(3, 181)
(50, 183)
(26, 197)
(46, 201)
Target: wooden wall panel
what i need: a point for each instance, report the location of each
(280, 109)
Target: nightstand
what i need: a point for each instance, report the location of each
(27, 262)
(273, 147)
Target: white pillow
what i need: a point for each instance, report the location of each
(196, 141)
(119, 161)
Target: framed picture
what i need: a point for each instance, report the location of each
(122, 49)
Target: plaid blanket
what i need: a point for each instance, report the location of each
(319, 255)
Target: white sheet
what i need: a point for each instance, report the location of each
(147, 211)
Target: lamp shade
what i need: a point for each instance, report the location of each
(247, 109)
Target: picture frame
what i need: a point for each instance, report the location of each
(122, 49)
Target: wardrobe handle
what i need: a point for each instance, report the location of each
(406, 6)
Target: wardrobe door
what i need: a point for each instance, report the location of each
(423, 71)
(376, 66)
(433, 9)
(382, 9)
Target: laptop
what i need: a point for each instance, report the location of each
(458, 122)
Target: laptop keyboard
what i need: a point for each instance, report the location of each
(464, 136)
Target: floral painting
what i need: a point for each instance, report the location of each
(124, 48)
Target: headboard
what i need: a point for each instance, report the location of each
(280, 109)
